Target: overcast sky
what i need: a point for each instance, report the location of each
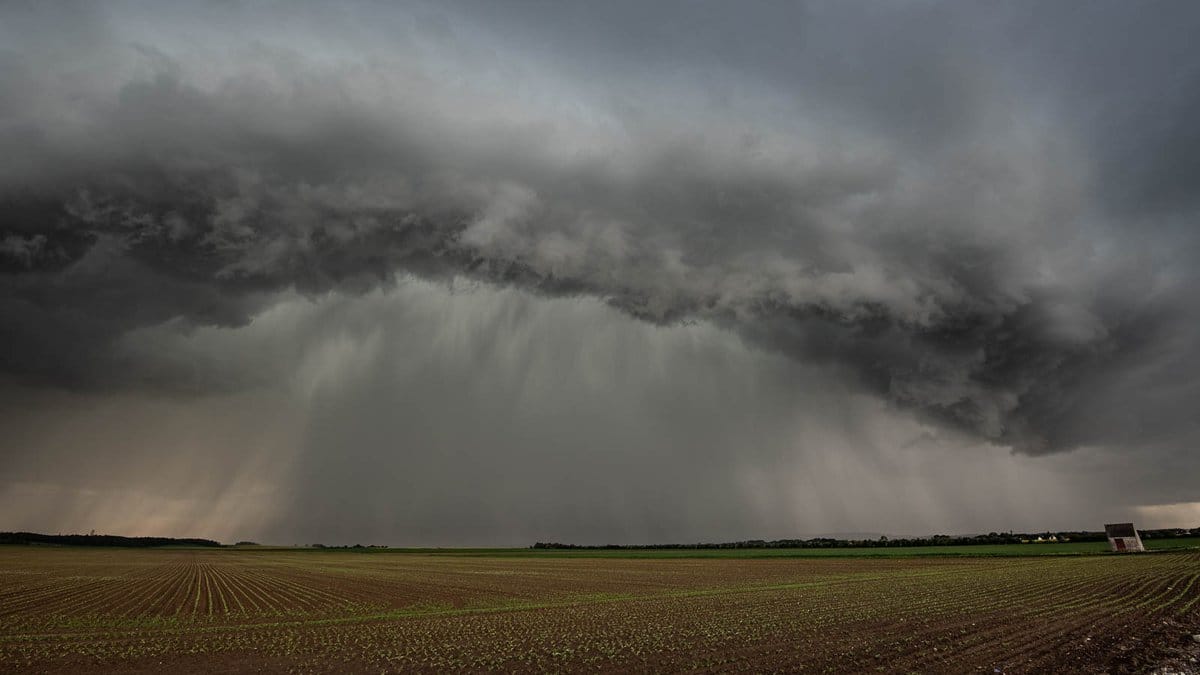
(498, 272)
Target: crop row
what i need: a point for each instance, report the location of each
(340, 611)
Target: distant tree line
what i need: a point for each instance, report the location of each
(356, 546)
(885, 542)
(99, 540)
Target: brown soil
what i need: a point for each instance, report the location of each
(66, 610)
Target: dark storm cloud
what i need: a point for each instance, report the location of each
(982, 214)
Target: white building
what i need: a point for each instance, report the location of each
(1123, 538)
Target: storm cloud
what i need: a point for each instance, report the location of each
(975, 219)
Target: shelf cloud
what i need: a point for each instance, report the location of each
(978, 218)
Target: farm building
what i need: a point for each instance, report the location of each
(1123, 538)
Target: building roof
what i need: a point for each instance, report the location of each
(1120, 530)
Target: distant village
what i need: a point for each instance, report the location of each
(885, 541)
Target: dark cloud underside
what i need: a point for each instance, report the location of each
(981, 216)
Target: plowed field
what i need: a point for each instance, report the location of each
(73, 610)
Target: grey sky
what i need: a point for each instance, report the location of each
(493, 272)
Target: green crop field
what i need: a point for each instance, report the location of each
(200, 610)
